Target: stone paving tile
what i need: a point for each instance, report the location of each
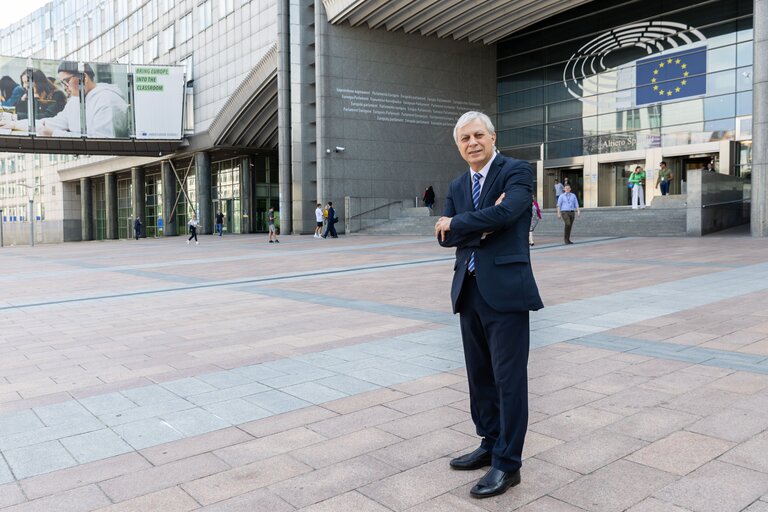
(574, 423)
(364, 400)
(548, 504)
(197, 445)
(37, 459)
(751, 454)
(348, 502)
(328, 452)
(631, 401)
(420, 450)
(65, 412)
(615, 487)
(146, 433)
(733, 424)
(146, 481)
(564, 400)
(194, 422)
(20, 421)
(406, 489)
(447, 502)
(260, 500)
(423, 422)
(96, 445)
(11, 494)
(654, 505)
(223, 485)
(82, 499)
(168, 500)
(703, 401)
(354, 421)
(592, 451)
(237, 411)
(681, 452)
(268, 446)
(286, 421)
(716, 487)
(653, 423)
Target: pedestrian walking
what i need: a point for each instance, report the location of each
(664, 178)
(429, 198)
(137, 228)
(558, 189)
(271, 226)
(330, 229)
(568, 210)
(535, 217)
(219, 222)
(192, 224)
(319, 220)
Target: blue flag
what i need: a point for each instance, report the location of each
(672, 76)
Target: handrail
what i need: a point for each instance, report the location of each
(722, 202)
(377, 208)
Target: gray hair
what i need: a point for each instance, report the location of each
(468, 118)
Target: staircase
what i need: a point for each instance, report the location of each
(666, 220)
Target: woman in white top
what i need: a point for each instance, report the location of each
(193, 229)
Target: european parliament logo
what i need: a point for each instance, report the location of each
(672, 76)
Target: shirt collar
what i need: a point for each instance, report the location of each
(484, 170)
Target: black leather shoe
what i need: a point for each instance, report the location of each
(495, 482)
(474, 460)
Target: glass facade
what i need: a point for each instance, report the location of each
(124, 207)
(225, 191)
(613, 77)
(153, 210)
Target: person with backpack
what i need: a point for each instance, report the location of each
(332, 219)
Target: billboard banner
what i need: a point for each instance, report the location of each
(158, 97)
(54, 109)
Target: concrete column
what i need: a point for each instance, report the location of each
(203, 181)
(246, 201)
(110, 191)
(86, 209)
(284, 114)
(139, 199)
(759, 209)
(303, 116)
(169, 199)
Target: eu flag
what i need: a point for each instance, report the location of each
(671, 76)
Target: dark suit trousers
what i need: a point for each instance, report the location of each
(568, 218)
(496, 349)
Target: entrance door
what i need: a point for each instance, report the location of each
(681, 166)
(574, 176)
(225, 205)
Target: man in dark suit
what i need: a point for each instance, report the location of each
(487, 216)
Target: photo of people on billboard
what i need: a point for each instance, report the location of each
(14, 103)
(57, 90)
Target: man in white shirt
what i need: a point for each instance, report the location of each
(106, 111)
(319, 220)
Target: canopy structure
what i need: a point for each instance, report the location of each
(473, 20)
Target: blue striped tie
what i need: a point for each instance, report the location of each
(476, 201)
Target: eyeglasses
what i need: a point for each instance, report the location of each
(66, 81)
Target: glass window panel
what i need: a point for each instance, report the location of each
(744, 103)
(744, 54)
(521, 136)
(721, 58)
(719, 107)
(521, 118)
(744, 79)
(565, 110)
(723, 82)
(680, 112)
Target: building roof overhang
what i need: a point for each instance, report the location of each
(486, 21)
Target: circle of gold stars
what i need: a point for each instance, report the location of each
(673, 89)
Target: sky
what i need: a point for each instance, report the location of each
(13, 11)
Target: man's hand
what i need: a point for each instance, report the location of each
(500, 199)
(7, 124)
(578, 213)
(442, 226)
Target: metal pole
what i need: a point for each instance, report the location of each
(1, 227)
(31, 223)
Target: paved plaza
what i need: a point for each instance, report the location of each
(328, 376)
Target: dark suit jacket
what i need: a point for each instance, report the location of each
(502, 259)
